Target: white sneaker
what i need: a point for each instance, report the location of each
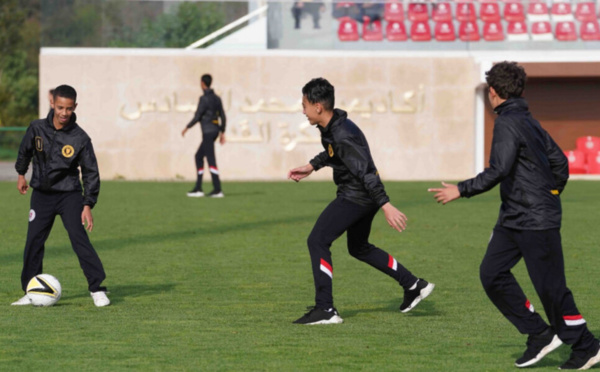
(22, 301)
(100, 298)
(217, 194)
(195, 194)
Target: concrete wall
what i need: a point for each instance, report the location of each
(418, 112)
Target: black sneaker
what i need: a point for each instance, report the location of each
(216, 194)
(583, 362)
(538, 346)
(317, 315)
(414, 296)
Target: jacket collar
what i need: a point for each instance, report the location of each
(209, 91)
(66, 128)
(338, 117)
(512, 104)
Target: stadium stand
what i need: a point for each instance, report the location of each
(588, 144)
(493, 31)
(372, 30)
(444, 31)
(517, 31)
(348, 29)
(441, 12)
(468, 31)
(576, 162)
(420, 31)
(565, 31)
(396, 31)
(489, 12)
(593, 163)
(513, 12)
(418, 12)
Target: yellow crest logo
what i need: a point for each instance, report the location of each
(39, 143)
(68, 151)
(330, 151)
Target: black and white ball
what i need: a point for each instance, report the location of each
(44, 290)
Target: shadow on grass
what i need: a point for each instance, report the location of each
(117, 293)
(424, 309)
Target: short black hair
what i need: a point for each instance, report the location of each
(319, 90)
(507, 78)
(51, 91)
(207, 80)
(65, 91)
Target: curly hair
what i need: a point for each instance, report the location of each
(507, 78)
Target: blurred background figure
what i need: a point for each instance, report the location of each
(314, 9)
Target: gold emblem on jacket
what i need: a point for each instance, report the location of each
(68, 151)
(39, 143)
(330, 151)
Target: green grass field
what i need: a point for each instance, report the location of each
(209, 284)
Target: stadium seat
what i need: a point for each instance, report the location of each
(589, 31)
(372, 30)
(441, 12)
(348, 29)
(492, 31)
(513, 12)
(588, 144)
(468, 31)
(444, 31)
(489, 12)
(541, 31)
(586, 11)
(593, 163)
(537, 11)
(418, 12)
(393, 11)
(420, 31)
(465, 12)
(517, 31)
(565, 31)
(576, 162)
(396, 31)
(562, 12)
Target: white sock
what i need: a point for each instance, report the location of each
(414, 286)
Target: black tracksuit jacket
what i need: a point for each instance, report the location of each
(530, 167)
(210, 109)
(347, 152)
(57, 155)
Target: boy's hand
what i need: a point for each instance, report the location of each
(22, 185)
(299, 173)
(394, 217)
(447, 194)
(86, 216)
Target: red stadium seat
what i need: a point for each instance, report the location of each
(562, 11)
(420, 31)
(444, 31)
(418, 12)
(517, 31)
(441, 12)
(588, 144)
(576, 162)
(465, 12)
(513, 12)
(348, 29)
(489, 12)
(372, 30)
(541, 31)
(593, 163)
(586, 11)
(492, 31)
(565, 31)
(393, 11)
(537, 11)
(396, 31)
(589, 31)
(468, 31)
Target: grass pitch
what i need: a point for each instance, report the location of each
(214, 284)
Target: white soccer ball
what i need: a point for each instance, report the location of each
(44, 290)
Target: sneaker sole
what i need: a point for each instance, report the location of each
(425, 292)
(336, 319)
(556, 342)
(593, 360)
(195, 196)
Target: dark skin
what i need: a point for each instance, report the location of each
(63, 110)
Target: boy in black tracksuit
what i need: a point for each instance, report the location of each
(532, 171)
(360, 194)
(210, 109)
(58, 147)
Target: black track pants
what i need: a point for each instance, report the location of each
(44, 208)
(542, 252)
(207, 150)
(342, 216)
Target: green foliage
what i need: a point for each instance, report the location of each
(214, 284)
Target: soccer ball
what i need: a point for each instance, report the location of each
(44, 290)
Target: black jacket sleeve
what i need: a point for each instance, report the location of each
(319, 161)
(558, 163)
(223, 117)
(25, 152)
(356, 157)
(202, 106)
(503, 155)
(90, 175)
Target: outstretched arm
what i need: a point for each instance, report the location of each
(446, 194)
(299, 173)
